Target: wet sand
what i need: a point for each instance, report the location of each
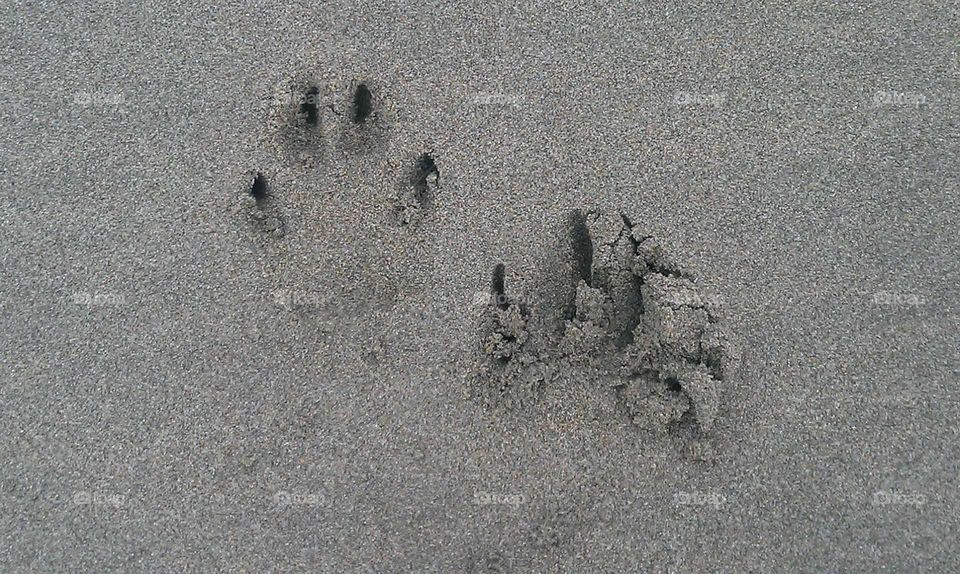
(200, 375)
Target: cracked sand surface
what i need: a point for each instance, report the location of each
(640, 326)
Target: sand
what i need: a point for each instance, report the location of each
(201, 375)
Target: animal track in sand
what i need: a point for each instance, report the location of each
(416, 195)
(323, 119)
(637, 326)
(633, 322)
(261, 207)
(310, 107)
(259, 189)
(510, 373)
(319, 117)
(362, 104)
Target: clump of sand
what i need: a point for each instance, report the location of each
(639, 326)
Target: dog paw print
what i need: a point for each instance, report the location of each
(418, 190)
(508, 373)
(298, 120)
(345, 126)
(679, 346)
(638, 307)
(261, 207)
(316, 118)
(636, 321)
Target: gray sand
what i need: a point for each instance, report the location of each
(196, 380)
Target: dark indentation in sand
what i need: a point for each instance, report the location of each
(416, 196)
(640, 326)
(636, 279)
(673, 384)
(582, 246)
(667, 271)
(633, 317)
(266, 216)
(310, 106)
(259, 189)
(424, 168)
(497, 289)
(362, 104)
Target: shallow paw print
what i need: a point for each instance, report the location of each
(323, 116)
(363, 114)
(299, 120)
(417, 191)
(261, 207)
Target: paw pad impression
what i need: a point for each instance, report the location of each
(637, 323)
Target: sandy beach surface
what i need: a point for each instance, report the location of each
(348, 287)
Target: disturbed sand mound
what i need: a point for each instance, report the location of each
(638, 325)
(510, 372)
